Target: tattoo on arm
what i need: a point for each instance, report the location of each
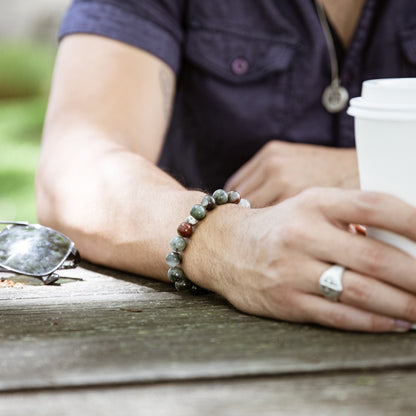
(166, 82)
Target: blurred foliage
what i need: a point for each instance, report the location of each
(25, 70)
(25, 74)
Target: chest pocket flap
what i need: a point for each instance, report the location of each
(238, 57)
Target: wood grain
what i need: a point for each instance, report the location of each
(366, 393)
(111, 327)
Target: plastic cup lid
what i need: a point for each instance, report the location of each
(387, 99)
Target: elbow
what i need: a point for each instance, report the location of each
(65, 200)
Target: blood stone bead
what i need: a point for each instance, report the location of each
(198, 212)
(220, 196)
(175, 274)
(173, 259)
(234, 197)
(208, 202)
(185, 229)
(178, 243)
(191, 220)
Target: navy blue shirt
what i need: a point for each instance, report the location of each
(250, 71)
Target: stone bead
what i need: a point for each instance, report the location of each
(173, 259)
(191, 220)
(208, 202)
(183, 284)
(244, 203)
(175, 274)
(234, 197)
(198, 212)
(178, 243)
(196, 290)
(220, 196)
(185, 229)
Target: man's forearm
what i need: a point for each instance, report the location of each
(120, 209)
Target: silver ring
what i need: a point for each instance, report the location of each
(330, 282)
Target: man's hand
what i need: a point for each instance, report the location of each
(268, 261)
(280, 170)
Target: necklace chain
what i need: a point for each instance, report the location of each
(335, 96)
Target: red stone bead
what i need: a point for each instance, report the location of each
(185, 229)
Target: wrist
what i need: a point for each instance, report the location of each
(212, 254)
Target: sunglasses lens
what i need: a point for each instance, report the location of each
(33, 249)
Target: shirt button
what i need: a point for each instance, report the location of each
(239, 66)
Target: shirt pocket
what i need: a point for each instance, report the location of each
(241, 77)
(408, 47)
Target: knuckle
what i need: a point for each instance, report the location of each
(294, 312)
(369, 198)
(377, 324)
(291, 234)
(271, 165)
(338, 318)
(271, 146)
(306, 199)
(284, 236)
(286, 183)
(359, 293)
(373, 261)
(367, 205)
(311, 195)
(311, 199)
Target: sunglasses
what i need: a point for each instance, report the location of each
(35, 250)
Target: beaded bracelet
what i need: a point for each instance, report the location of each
(185, 230)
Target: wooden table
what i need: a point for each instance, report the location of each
(109, 343)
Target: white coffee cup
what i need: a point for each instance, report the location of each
(385, 135)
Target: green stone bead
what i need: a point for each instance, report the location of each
(173, 259)
(198, 212)
(183, 284)
(175, 274)
(208, 202)
(234, 197)
(220, 196)
(178, 243)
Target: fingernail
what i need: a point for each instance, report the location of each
(403, 326)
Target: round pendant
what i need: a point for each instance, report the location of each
(335, 98)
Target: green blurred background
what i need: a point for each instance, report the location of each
(27, 52)
(25, 74)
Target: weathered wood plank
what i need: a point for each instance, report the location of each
(112, 327)
(369, 394)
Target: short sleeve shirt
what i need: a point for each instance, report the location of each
(250, 71)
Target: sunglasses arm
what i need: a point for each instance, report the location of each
(72, 260)
(14, 223)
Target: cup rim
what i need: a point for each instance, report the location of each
(386, 98)
(364, 108)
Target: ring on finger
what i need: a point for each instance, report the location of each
(330, 282)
